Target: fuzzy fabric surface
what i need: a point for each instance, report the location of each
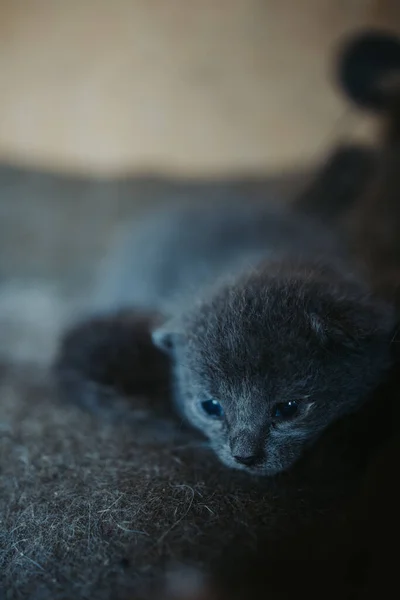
(97, 505)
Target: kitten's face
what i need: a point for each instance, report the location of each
(265, 366)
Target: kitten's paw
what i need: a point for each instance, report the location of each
(106, 358)
(89, 394)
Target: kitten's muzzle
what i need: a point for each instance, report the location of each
(246, 449)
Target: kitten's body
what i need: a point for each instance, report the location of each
(173, 258)
(272, 331)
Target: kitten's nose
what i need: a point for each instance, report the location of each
(249, 460)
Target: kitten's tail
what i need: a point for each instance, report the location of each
(368, 71)
(369, 74)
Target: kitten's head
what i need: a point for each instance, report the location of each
(265, 365)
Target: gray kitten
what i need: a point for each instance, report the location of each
(271, 330)
(271, 335)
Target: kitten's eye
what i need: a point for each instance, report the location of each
(285, 410)
(212, 408)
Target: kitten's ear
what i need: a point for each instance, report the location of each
(350, 324)
(166, 337)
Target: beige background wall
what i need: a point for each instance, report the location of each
(181, 86)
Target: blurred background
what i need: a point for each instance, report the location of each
(177, 86)
(110, 106)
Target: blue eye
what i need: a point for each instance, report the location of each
(285, 410)
(212, 408)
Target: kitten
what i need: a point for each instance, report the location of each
(270, 325)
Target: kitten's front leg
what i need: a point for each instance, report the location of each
(108, 356)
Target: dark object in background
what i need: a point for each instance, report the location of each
(338, 184)
(365, 64)
(373, 223)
